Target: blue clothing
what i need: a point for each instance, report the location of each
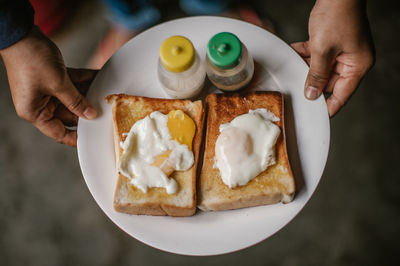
(133, 14)
(204, 7)
(16, 20)
(141, 14)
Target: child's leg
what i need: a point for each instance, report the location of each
(128, 18)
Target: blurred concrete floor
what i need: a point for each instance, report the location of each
(48, 217)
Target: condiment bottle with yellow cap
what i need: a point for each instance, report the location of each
(179, 68)
(229, 65)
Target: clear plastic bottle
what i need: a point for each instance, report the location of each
(180, 70)
(229, 65)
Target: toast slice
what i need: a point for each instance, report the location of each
(126, 110)
(273, 185)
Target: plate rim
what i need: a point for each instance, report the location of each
(138, 237)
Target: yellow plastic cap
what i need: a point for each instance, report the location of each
(177, 54)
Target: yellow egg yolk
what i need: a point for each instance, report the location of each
(181, 127)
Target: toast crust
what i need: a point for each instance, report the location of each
(275, 184)
(126, 110)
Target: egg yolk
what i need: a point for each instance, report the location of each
(233, 145)
(181, 127)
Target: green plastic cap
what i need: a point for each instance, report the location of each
(224, 50)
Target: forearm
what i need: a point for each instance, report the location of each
(32, 42)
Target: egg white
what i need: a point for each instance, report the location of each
(148, 138)
(246, 146)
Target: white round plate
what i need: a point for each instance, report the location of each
(133, 70)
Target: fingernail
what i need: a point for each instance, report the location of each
(312, 93)
(90, 113)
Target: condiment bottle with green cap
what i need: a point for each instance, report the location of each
(229, 65)
(179, 68)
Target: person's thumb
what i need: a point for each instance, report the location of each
(74, 101)
(318, 75)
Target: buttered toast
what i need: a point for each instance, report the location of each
(273, 185)
(126, 111)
